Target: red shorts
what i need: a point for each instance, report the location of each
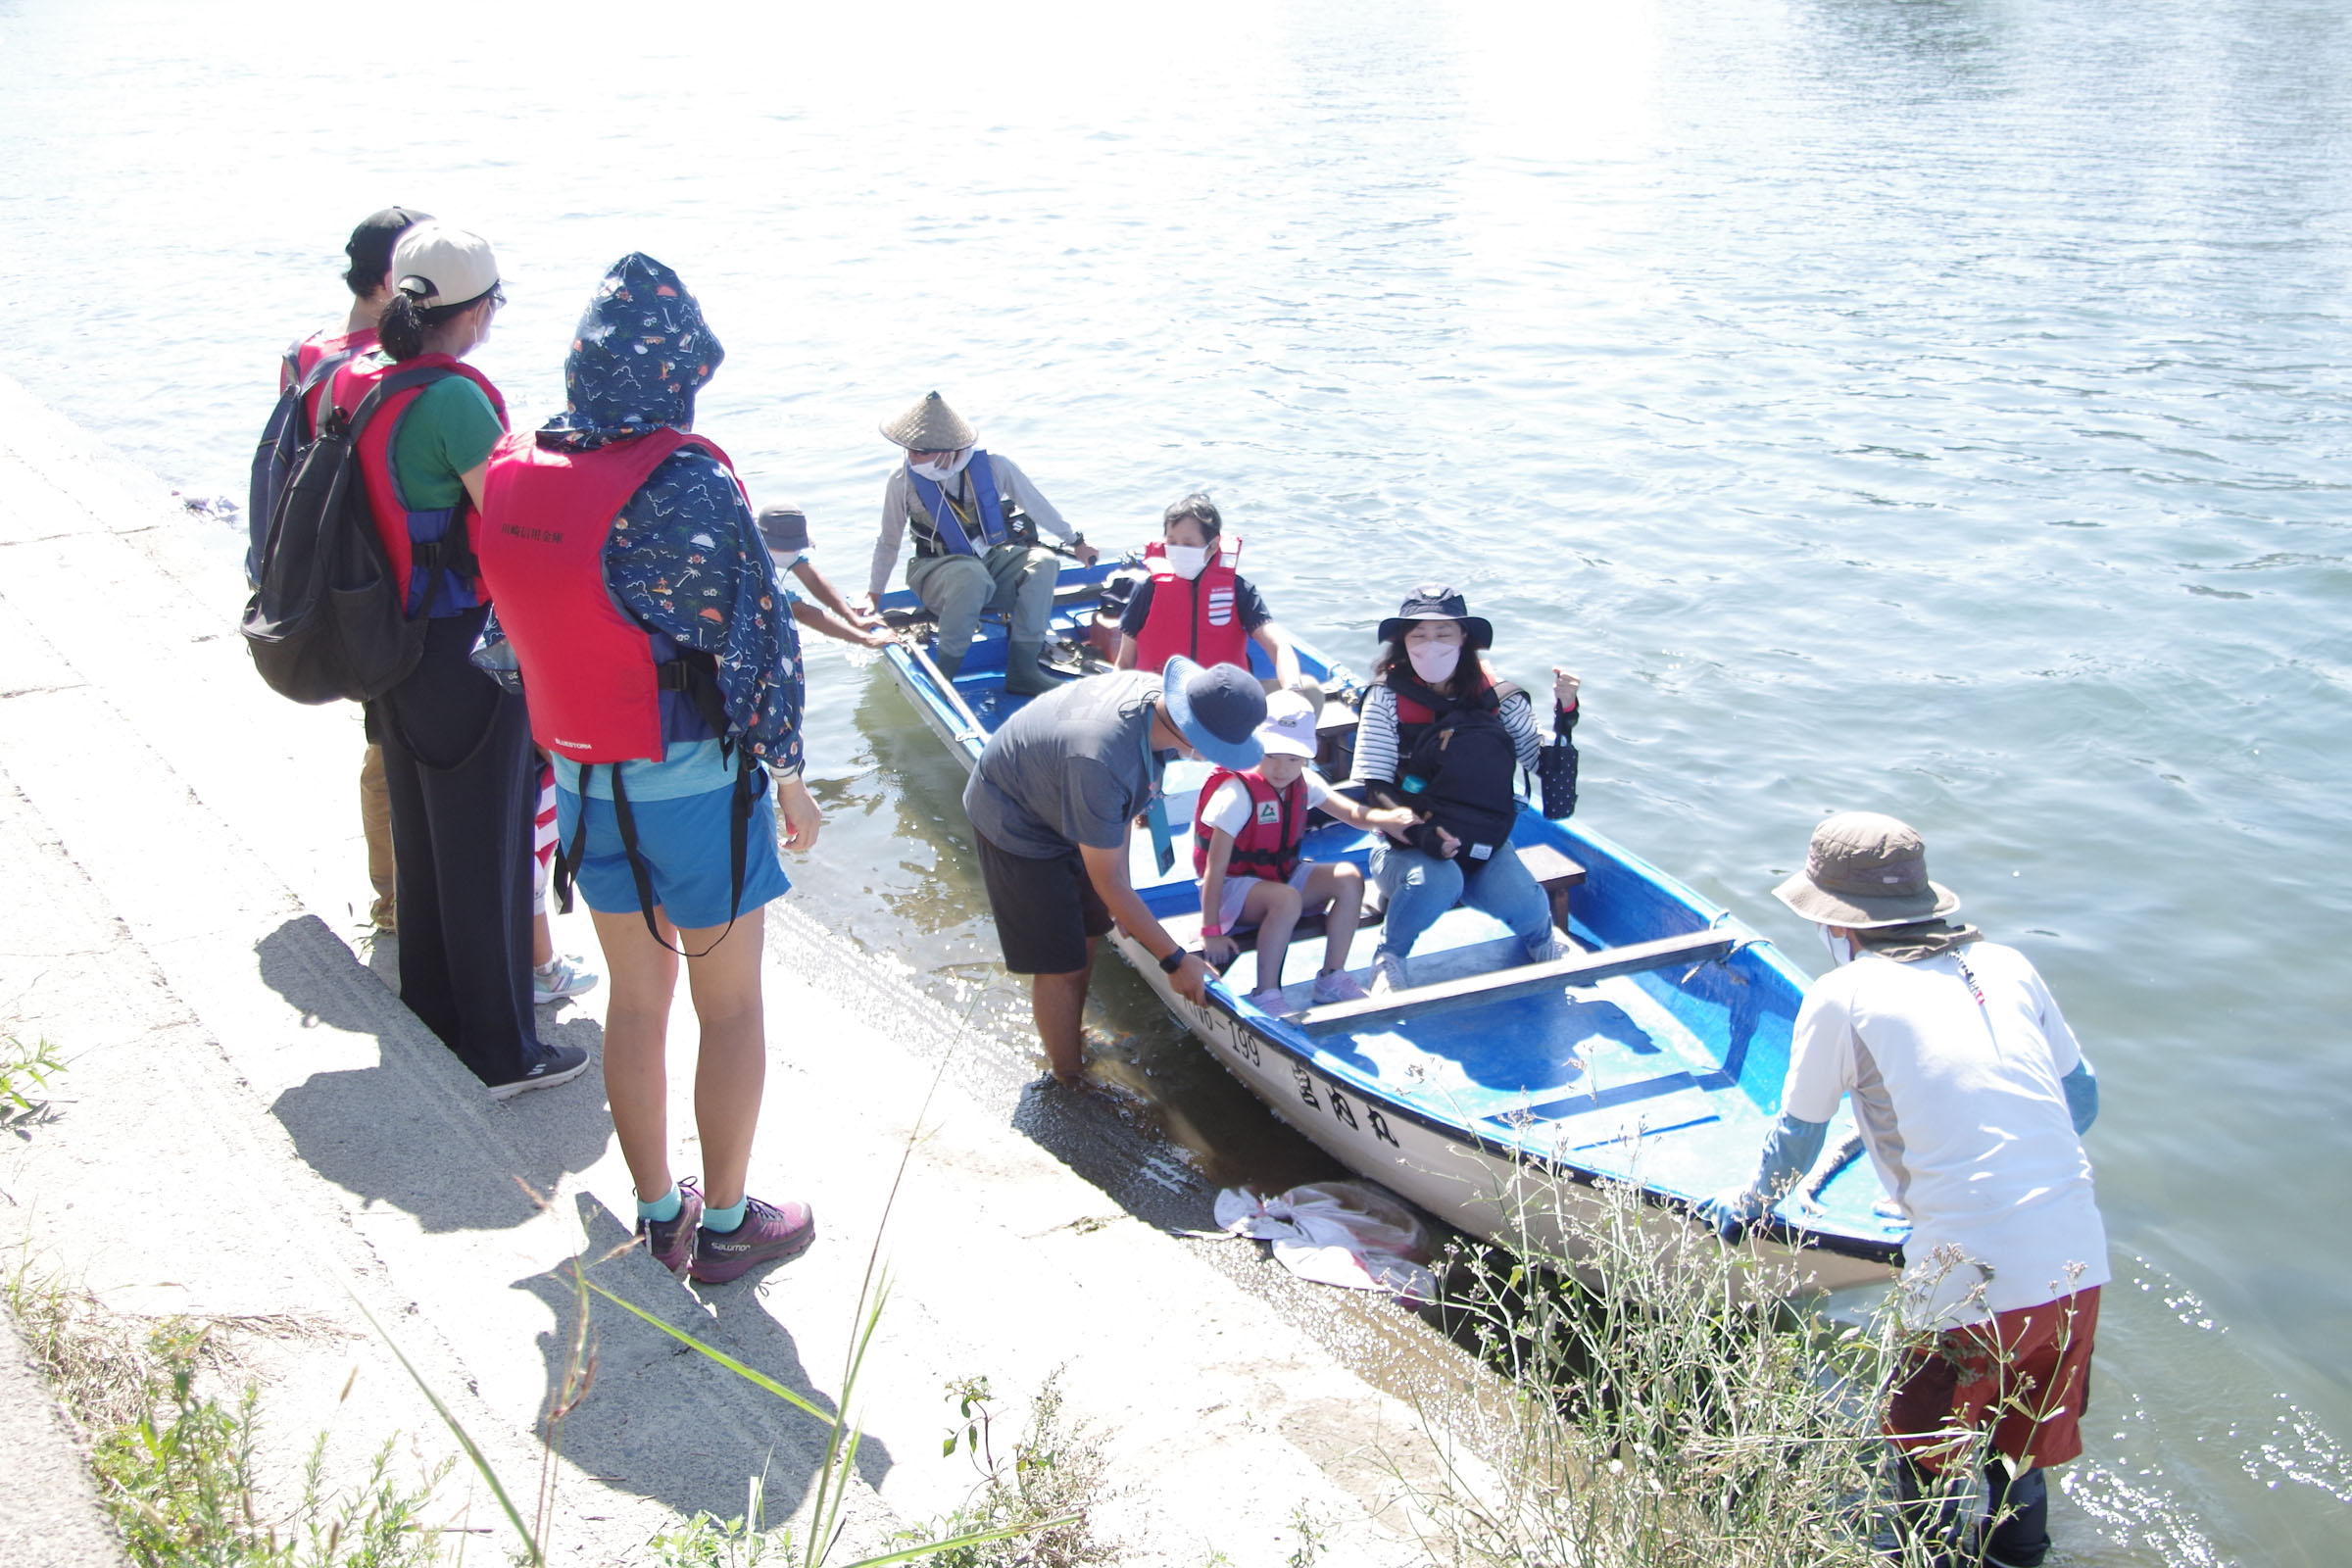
(2026, 1374)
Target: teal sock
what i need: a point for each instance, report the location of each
(662, 1210)
(723, 1220)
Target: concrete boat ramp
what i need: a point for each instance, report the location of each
(253, 1128)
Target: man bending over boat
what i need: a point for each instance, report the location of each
(1053, 803)
(975, 518)
(1972, 1098)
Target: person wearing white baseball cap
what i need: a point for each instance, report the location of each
(1246, 831)
(458, 761)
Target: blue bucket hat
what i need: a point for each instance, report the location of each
(1217, 709)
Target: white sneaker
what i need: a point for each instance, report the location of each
(1549, 948)
(1338, 985)
(1388, 973)
(559, 977)
(1269, 1000)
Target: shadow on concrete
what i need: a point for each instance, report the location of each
(665, 1422)
(416, 1131)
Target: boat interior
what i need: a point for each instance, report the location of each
(1658, 1040)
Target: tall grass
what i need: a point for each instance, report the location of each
(1664, 1406)
(175, 1463)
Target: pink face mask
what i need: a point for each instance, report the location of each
(1434, 663)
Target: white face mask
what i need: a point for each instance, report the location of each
(1188, 560)
(1434, 663)
(941, 473)
(1841, 949)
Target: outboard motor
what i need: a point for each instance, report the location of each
(1117, 590)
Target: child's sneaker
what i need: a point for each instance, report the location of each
(559, 977)
(1388, 973)
(1269, 1000)
(1338, 985)
(769, 1233)
(671, 1240)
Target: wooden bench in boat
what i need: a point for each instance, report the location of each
(1554, 873)
(1583, 969)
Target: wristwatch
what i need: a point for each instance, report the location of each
(1173, 961)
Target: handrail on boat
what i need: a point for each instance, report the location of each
(1579, 969)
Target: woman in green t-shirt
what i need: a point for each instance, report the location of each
(458, 759)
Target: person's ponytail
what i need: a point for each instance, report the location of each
(400, 330)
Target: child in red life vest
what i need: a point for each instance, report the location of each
(1245, 835)
(1195, 603)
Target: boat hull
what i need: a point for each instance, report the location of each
(1489, 1191)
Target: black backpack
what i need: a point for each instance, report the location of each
(326, 619)
(280, 447)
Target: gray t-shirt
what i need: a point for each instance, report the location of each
(1068, 769)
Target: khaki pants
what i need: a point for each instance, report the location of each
(376, 820)
(1012, 579)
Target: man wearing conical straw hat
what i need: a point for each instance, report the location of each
(975, 518)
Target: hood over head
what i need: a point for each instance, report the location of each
(640, 355)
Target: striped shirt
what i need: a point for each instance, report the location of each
(1375, 736)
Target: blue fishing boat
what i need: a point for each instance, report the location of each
(1494, 1090)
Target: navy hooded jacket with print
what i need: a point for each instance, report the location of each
(685, 556)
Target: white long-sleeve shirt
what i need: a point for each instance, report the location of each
(899, 503)
(1963, 1106)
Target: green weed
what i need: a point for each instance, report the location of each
(1664, 1407)
(25, 1071)
(175, 1464)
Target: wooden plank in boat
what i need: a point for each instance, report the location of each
(1556, 874)
(1583, 969)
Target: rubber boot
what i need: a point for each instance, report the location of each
(1024, 676)
(2023, 1539)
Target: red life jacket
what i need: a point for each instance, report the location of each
(1200, 617)
(1411, 711)
(1268, 845)
(401, 527)
(310, 352)
(589, 666)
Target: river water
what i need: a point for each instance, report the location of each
(1932, 406)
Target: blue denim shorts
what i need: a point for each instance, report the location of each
(684, 844)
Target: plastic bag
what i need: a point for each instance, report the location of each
(1349, 1234)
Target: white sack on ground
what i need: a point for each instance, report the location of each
(1349, 1234)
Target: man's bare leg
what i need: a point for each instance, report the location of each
(1059, 1004)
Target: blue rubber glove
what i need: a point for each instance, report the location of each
(1788, 1152)
(2082, 1088)
(1733, 1210)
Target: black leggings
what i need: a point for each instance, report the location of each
(457, 764)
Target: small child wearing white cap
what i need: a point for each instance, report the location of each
(1246, 830)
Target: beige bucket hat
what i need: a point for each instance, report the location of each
(931, 426)
(1864, 870)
